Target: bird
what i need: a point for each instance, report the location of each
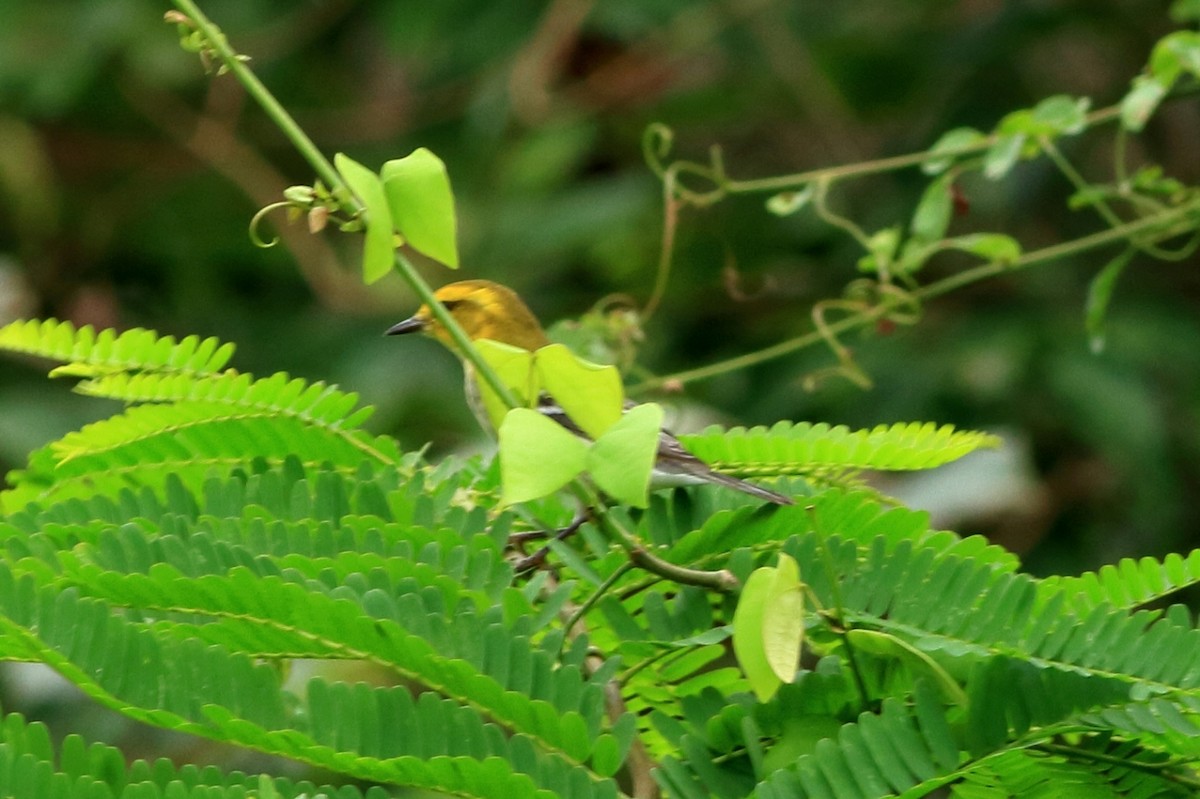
(488, 310)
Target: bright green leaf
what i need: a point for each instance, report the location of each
(1174, 54)
(84, 370)
(1060, 115)
(783, 620)
(947, 145)
(378, 246)
(913, 256)
(1099, 294)
(932, 216)
(621, 460)
(590, 394)
(1138, 105)
(422, 204)
(748, 633)
(989, 246)
(538, 456)
(881, 248)
(1003, 153)
(514, 367)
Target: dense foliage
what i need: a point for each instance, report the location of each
(241, 560)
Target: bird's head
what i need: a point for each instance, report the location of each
(483, 309)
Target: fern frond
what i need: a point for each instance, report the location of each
(31, 769)
(206, 690)
(455, 651)
(315, 403)
(961, 606)
(890, 752)
(86, 353)
(1128, 584)
(859, 514)
(144, 445)
(1068, 773)
(821, 450)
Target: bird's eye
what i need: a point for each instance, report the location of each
(451, 304)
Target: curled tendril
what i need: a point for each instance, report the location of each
(257, 219)
(846, 367)
(907, 308)
(885, 301)
(656, 146)
(892, 302)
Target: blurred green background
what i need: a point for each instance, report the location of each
(128, 176)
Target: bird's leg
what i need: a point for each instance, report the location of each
(537, 559)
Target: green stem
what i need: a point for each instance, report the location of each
(278, 114)
(1162, 226)
(1159, 770)
(216, 40)
(721, 580)
(600, 591)
(833, 174)
(1078, 182)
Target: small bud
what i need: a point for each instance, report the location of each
(300, 195)
(317, 217)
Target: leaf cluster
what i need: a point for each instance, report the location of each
(171, 561)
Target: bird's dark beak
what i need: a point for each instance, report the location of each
(413, 324)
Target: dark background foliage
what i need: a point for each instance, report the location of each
(127, 178)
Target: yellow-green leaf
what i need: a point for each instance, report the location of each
(422, 204)
(621, 460)
(747, 634)
(590, 394)
(783, 620)
(538, 456)
(378, 243)
(514, 367)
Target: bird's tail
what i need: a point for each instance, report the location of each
(747, 487)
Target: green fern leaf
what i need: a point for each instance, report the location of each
(190, 440)
(824, 451)
(1129, 583)
(87, 353)
(315, 403)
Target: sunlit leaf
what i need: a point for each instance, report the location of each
(378, 244)
(747, 634)
(621, 460)
(1138, 105)
(590, 394)
(422, 204)
(989, 246)
(538, 456)
(783, 620)
(932, 215)
(1060, 115)
(514, 367)
(951, 141)
(1002, 155)
(882, 248)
